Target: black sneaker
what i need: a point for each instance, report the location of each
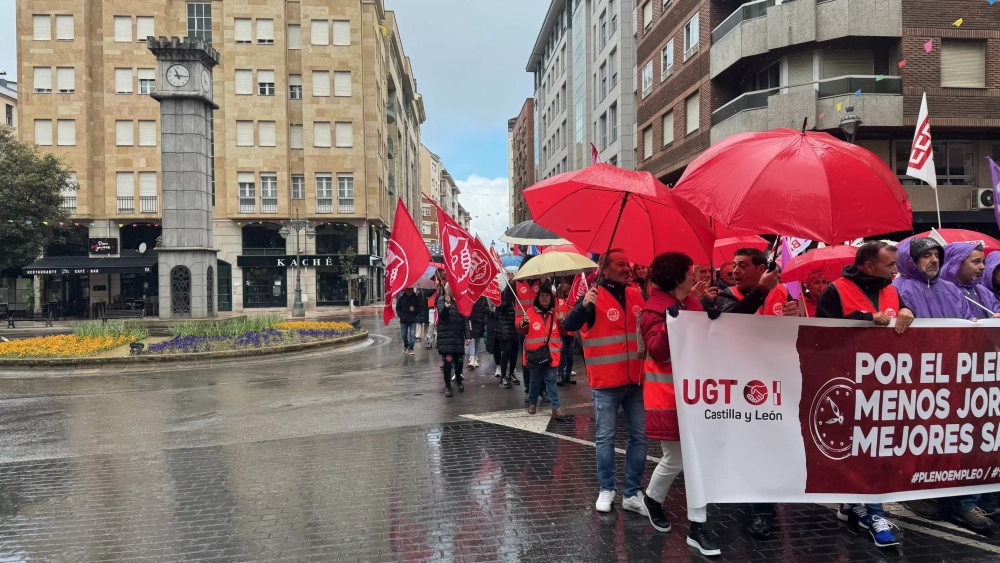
(570, 380)
(448, 393)
(461, 386)
(505, 383)
(700, 541)
(526, 397)
(926, 508)
(656, 515)
(560, 382)
(545, 397)
(975, 519)
(515, 380)
(762, 526)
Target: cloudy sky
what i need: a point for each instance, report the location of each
(469, 58)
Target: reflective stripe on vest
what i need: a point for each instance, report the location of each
(658, 385)
(535, 338)
(853, 299)
(611, 345)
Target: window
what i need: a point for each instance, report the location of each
(9, 114)
(847, 62)
(603, 26)
(144, 28)
(123, 81)
(268, 135)
(147, 133)
(68, 193)
(613, 63)
(341, 32)
(647, 79)
(769, 78)
(294, 36)
(244, 133)
(265, 82)
(67, 132)
(242, 30)
(691, 38)
(295, 86)
(647, 15)
(199, 20)
(42, 27)
(265, 36)
(324, 193)
(268, 193)
(321, 134)
(954, 162)
(147, 192)
(345, 134)
(604, 80)
(647, 142)
(319, 32)
(321, 83)
(425, 211)
(123, 29)
(604, 130)
(43, 80)
(147, 80)
(425, 228)
(295, 139)
(668, 128)
(43, 132)
(963, 63)
(124, 133)
(64, 28)
(247, 191)
(613, 121)
(667, 60)
(298, 186)
(342, 83)
(125, 189)
(345, 192)
(692, 106)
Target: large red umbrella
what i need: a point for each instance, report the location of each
(572, 248)
(989, 243)
(801, 184)
(830, 260)
(602, 206)
(725, 248)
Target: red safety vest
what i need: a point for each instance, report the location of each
(561, 307)
(776, 299)
(535, 339)
(853, 299)
(526, 293)
(740, 296)
(611, 346)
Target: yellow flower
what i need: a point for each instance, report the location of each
(61, 346)
(313, 325)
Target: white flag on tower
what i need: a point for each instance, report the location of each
(921, 165)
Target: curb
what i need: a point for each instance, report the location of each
(180, 358)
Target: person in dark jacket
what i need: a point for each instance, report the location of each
(492, 338)
(452, 337)
(407, 309)
(507, 337)
(753, 282)
(423, 320)
(477, 319)
(872, 272)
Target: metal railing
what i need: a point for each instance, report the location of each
(390, 112)
(126, 204)
(324, 205)
(248, 204)
(346, 205)
(68, 204)
(750, 100)
(748, 11)
(269, 205)
(841, 85)
(147, 203)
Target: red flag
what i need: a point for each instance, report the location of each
(516, 251)
(577, 290)
(458, 246)
(406, 260)
(494, 291)
(595, 155)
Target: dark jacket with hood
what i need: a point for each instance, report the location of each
(957, 253)
(404, 303)
(830, 306)
(506, 314)
(452, 329)
(928, 299)
(478, 317)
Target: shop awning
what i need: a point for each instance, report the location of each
(56, 265)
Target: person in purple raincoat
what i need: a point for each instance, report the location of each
(920, 284)
(964, 267)
(991, 275)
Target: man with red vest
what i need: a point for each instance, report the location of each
(611, 350)
(525, 292)
(753, 283)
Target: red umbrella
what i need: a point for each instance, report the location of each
(566, 248)
(830, 260)
(989, 243)
(725, 248)
(602, 206)
(801, 184)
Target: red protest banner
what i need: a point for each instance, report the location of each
(458, 246)
(406, 259)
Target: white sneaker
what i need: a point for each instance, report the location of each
(604, 501)
(498, 374)
(476, 360)
(635, 504)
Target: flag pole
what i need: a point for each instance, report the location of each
(937, 203)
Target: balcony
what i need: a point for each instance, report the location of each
(248, 204)
(764, 25)
(879, 105)
(147, 203)
(68, 204)
(391, 148)
(390, 112)
(346, 205)
(268, 204)
(392, 184)
(126, 204)
(324, 205)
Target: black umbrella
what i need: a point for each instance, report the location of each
(437, 254)
(529, 233)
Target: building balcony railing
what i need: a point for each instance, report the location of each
(147, 203)
(743, 102)
(248, 204)
(126, 204)
(346, 205)
(68, 204)
(748, 11)
(269, 205)
(390, 112)
(324, 205)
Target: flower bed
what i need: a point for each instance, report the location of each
(62, 346)
(282, 334)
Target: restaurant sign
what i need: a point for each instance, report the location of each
(308, 261)
(104, 246)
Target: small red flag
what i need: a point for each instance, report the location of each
(406, 259)
(577, 290)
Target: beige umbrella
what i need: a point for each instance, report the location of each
(555, 264)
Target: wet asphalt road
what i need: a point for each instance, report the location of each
(350, 455)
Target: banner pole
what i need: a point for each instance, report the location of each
(937, 203)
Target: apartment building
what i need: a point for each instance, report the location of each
(430, 185)
(319, 119)
(713, 68)
(8, 98)
(521, 160)
(583, 62)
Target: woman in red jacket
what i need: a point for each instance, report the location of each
(672, 281)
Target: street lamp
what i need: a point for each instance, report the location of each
(849, 125)
(298, 310)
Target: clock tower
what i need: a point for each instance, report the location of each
(186, 259)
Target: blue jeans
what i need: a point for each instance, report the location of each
(566, 362)
(965, 503)
(409, 333)
(874, 509)
(606, 404)
(548, 375)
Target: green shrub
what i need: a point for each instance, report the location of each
(230, 327)
(114, 329)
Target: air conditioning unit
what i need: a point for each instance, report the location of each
(981, 198)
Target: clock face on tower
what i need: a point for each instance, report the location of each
(206, 81)
(178, 75)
